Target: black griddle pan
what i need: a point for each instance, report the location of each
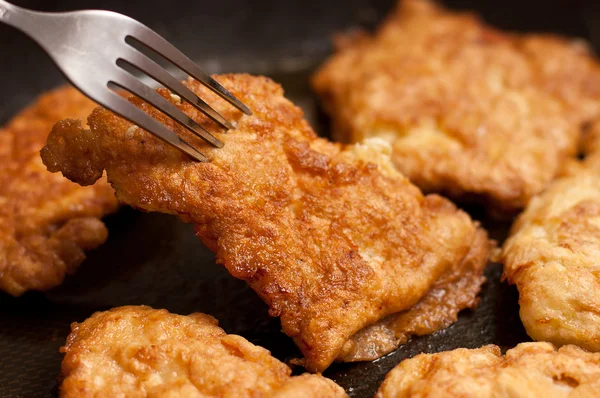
(156, 260)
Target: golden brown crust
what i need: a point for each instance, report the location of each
(137, 351)
(471, 112)
(553, 257)
(332, 238)
(528, 370)
(552, 254)
(436, 311)
(46, 222)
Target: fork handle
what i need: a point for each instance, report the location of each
(27, 21)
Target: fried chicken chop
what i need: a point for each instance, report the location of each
(472, 112)
(137, 351)
(46, 222)
(553, 256)
(332, 238)
(528, 370)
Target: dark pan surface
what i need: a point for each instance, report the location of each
(156, 260)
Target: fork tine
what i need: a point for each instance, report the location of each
(140, 61)
(132, 84)
(120, 106)
(154, 41)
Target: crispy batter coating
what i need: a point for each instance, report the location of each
(553, 256)
(437, 310)
(46, 222)
(138, 351)
(528, 370)
(332, 238)
(470, 111)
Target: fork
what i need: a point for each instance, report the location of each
(93, 48)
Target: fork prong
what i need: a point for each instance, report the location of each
(140, 61)
(128, 82)
(122, 107)
(161, 46)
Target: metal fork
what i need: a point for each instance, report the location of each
(92, 47)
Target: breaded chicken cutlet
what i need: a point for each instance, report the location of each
(471, 112)
(332, 238)
(553, 256)
(137, 351)
(46, 221)
(528, 370)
